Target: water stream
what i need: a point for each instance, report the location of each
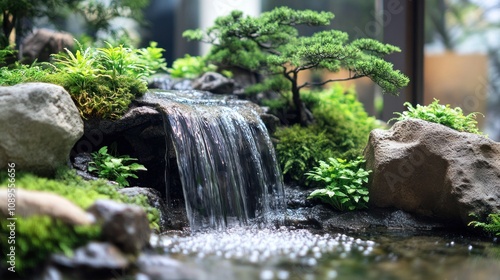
(226, 160)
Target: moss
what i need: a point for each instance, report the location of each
(39, 236)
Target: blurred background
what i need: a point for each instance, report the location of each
(450, 48)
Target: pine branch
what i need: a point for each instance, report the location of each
(308, 84)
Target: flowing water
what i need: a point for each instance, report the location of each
(234, 196)
(226, 160)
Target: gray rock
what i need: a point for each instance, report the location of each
(161, 267)
(29, 203)
(94, 256)
(126, 226)
(306, 213)
(215, 83)
(434, 171)
(39, 124)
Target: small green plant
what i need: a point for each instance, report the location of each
(190, 67)
(492, 224)
(114, 168)
(441, 114)
(344, 183)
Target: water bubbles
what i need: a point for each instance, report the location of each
(301, 250)
(266, 274)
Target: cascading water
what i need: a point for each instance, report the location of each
(226, 160)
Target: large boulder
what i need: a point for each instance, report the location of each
(39, 124)
(435, 171)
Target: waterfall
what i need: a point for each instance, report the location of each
(228, 168)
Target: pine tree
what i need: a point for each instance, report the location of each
(270, 45)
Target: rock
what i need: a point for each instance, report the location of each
(306, 213)
(29, 203)
(126, 226)
(39, 124)
(166, 82)
(434, 171)
(154, 200)
(93, 256)
(215, 83)
(153, 266)
(81, 165)
(44, 42)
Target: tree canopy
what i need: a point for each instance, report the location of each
(270, 45)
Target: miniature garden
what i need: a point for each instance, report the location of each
(115, 165)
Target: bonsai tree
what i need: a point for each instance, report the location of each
(270, 45)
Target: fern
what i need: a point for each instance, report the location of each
(492, 224)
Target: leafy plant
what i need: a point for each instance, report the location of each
(270, 45)
(492, 224)
(114, 168)
(190, 67)
(441, 114)
(344, 183)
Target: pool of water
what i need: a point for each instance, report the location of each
(300, 254)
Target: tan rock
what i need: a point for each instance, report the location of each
(29, 203)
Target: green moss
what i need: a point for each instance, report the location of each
(341, 130)
(441, 114)
(39, 236)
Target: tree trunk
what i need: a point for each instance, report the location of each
(304, 117)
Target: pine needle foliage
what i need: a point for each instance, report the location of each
(270, 45)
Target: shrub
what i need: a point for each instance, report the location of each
(344, 183)
(103, 81)
(492, 224)
(190, 67)
(344, 119)
(441, 114)
(114, 168)
(341, 130)
(299, 148)
(39, 236)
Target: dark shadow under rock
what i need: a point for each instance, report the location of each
(304, 213)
